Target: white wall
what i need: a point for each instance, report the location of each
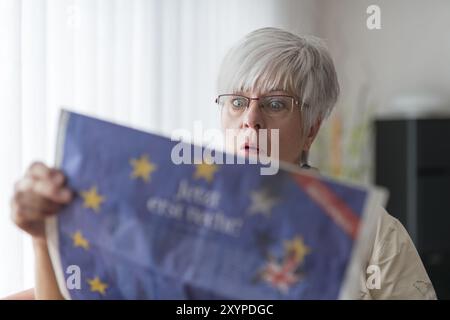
(410, 54)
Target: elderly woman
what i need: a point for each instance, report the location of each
(271, 79)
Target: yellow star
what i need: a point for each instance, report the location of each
(142, 168)
(80, 241)
(297, 249)
(97, 285)
(92, 199)
(205, 171)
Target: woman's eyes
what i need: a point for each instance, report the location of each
(270, 104)
(238, 103)
(276, 105)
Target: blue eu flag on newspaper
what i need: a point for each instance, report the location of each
(141, 227)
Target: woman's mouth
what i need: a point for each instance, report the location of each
(249, 149)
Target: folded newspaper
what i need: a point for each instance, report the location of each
(142, 227)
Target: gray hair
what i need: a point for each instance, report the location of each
(270, 59)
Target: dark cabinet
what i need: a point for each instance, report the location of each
(412, 160)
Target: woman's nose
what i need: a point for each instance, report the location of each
(253, 117)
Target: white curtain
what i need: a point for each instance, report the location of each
(151, 64)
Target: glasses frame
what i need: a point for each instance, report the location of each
(295, 100)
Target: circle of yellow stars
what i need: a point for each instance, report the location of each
(92, 199)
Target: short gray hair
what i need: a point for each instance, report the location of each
(271, 59)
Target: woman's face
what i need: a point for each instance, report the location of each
(246, 125)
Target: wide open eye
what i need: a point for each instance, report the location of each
(238, 102)
(276, 104)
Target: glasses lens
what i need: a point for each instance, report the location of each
(233, 104)
(277, 105)
(273, 106)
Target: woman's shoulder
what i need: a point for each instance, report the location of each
(390, 233)
(402, 274)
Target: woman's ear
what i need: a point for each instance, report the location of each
(312, 135)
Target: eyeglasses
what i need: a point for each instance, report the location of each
(276, 106)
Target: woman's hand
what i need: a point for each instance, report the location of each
(39, 194)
